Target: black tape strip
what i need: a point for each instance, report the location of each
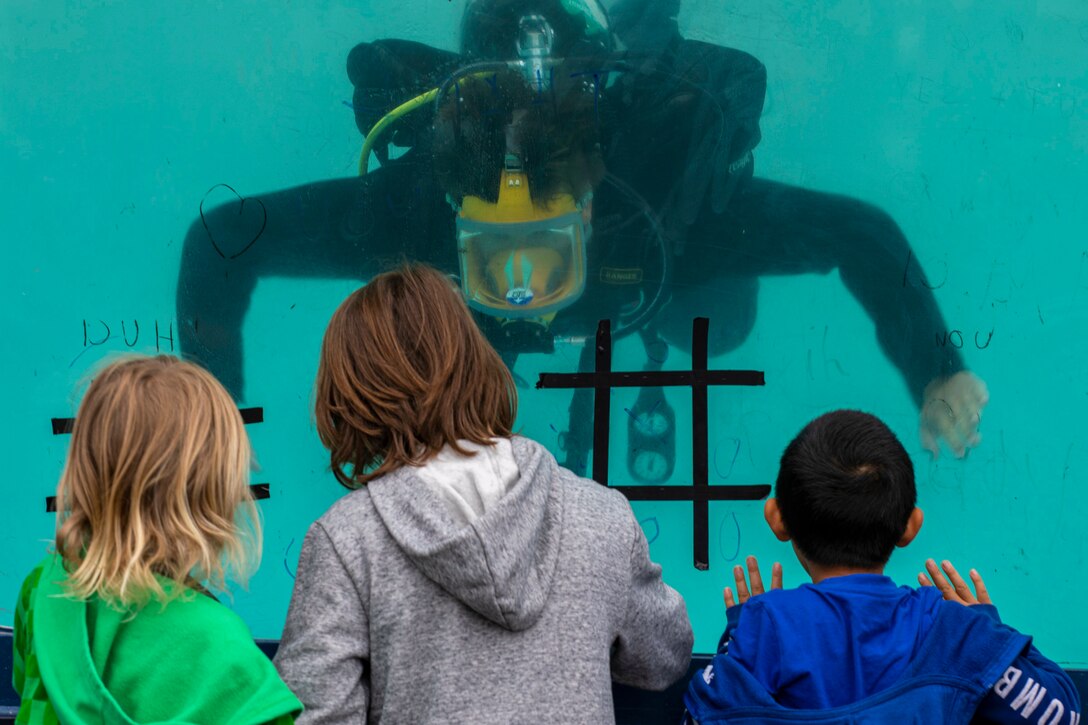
(252, 415)
(700, 474)
(602, 399)
(258, 490)
(651, 379)
(754, 492)
(63, 426)
(602, 380)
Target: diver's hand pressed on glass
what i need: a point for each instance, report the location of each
(952, 411)
(743, 591)
(954, 588)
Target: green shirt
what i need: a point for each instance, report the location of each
(192, 661)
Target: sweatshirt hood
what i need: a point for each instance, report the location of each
(64, 654)
(104, 664)
(500, 564)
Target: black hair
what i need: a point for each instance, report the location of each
(489, 29)
(557, 136)
(845, 490)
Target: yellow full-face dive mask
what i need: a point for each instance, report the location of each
(520, 260)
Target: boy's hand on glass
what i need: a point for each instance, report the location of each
(744, 593)
(954, 588)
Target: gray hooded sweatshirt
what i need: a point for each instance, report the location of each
(405, 613)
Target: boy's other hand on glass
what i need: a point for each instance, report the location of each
(744, 592)
(954, 588)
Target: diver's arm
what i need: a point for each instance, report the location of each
(782, 229)
(875, 265)
(871, 254)
(773, 229)
(343, 228)
(211, 304)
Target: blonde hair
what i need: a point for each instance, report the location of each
(156, 483)
(404, 372)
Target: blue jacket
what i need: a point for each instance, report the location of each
(859, 649)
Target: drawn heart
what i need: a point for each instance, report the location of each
(231, 228)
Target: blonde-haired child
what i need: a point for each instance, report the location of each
(153, 508)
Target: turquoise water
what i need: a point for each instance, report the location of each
(964, 121)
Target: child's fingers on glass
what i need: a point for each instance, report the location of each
(754, 575)
(742, 584)
(749, 572)
(981, 591)
(938, 579)
(776, 575)
(962, 590)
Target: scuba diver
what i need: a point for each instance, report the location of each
(570, 165)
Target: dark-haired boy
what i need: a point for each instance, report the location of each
(852, 646)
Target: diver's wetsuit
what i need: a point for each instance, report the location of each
(356, 227)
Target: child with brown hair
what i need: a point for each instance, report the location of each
(467, 578)
(153, 507)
